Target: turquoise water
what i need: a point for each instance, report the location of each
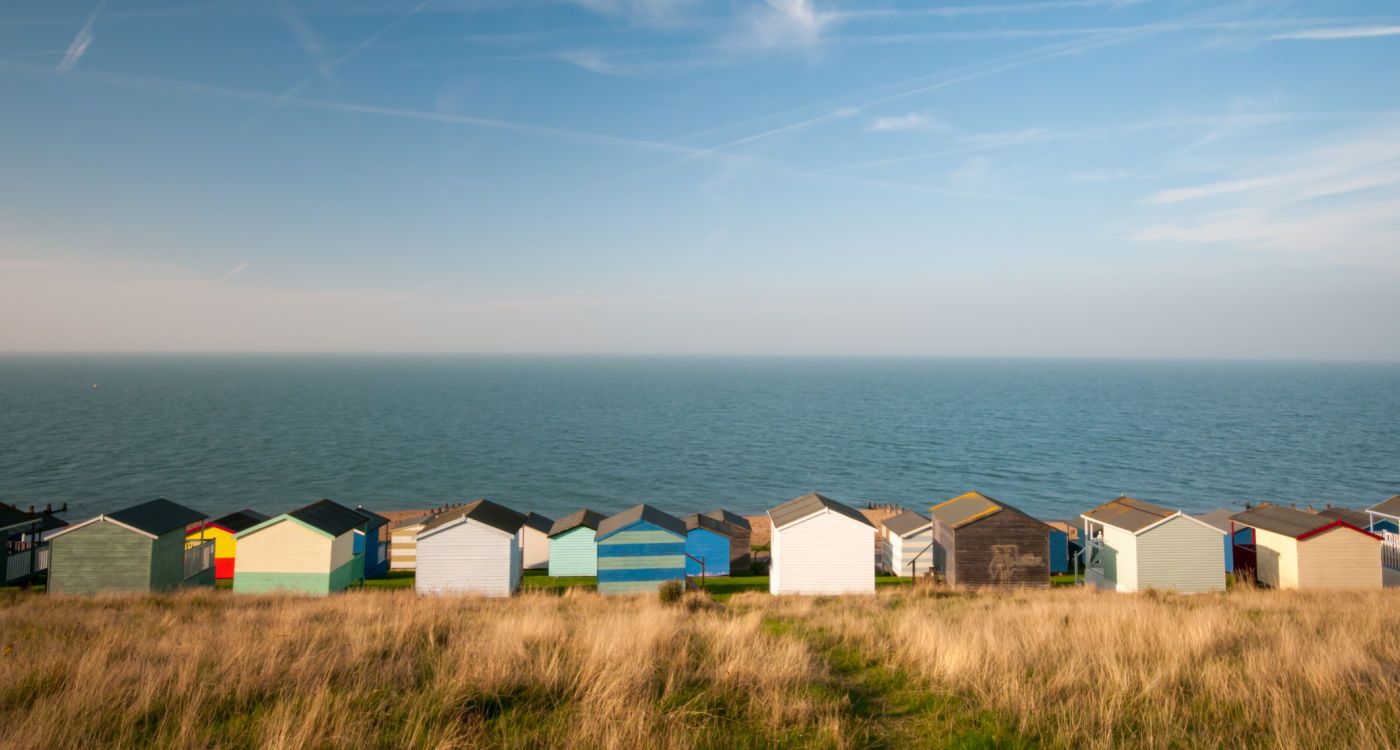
(550, 434)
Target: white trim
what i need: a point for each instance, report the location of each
(458, 522)
(1155, 524)
(95, 519)
(926, 527)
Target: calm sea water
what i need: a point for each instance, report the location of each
(272, 432)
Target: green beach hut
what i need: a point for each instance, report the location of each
(572, 549)
(137, 549)
(310, 550)
(639, 549)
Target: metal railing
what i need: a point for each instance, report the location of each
(199, 557)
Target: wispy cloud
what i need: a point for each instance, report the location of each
(82, 41)
(1341, 32)
(1210, 190)
(237, 269)
(909, 121)
(309, 40)
(1099, 175)
(787, 24)
(656, 13)
(355, 51)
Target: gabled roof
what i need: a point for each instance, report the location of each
(414, 521)
(1129, 514)
(644, 512)
(701, 521)
(157, 517)
(375, 520)
(329, 516)
(10, 517)
(1389, 507)
(585, 517)
(964, 509)
(1290, 522)
(721, 514)
(1356, 518)
(908, 522)
(483, 512)
(538, 522)
(1218, 518)
(239, 520)
(811, 504)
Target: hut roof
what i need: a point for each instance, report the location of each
(811, 504)
(1219, 518)
(964, 509)
(1389, 507)
(411, 521)
(10, 516)
(538, 522)
(721, 514)
(482, 511)
(157, 517)
(637, 513)
(1068, 528)
(907, 523)
(1289, 522)
(1356, 518)
(239, 520)
(583, 517)
(328, 516)
(702, 521)
(375, 520)
(1129, 514)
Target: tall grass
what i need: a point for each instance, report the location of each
(390, 669)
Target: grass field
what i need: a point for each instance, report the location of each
(906, 667)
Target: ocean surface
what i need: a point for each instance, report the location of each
(223, 432)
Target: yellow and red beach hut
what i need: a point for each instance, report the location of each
(221, 530)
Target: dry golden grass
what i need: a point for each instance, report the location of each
(390, 669)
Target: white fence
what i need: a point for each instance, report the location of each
(17, 563)
(1390, 549)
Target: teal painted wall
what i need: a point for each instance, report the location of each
(168, 561)
(100, 557)
(315, 584)
(573, 553)
(640, 558)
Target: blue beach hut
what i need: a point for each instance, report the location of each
(368, 542)
(708, 545)
(639, 549)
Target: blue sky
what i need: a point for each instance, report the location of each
(1161, 178)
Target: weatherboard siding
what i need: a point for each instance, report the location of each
(826, 553)
(1276, 563)
(903, 553)
(1005, 549)
(225, 549)
(574, 553)
(285, 547)
(1340, 558)
(534, 548)
(168, 561)
(640, 557)
(466, 558)
(1181, 555)
(99, 557)
(403, 547)
(710, 546)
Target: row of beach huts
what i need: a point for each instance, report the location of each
(817, 546)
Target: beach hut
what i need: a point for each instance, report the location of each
(1384, 516)
(534, 541)
(370, 543)
(1220, 519)
(474, 549)
(573, 547)
(1063, 543)
(908, 545)
(141, 548)
(221, 530)
(708, 545)
(310, 550)
(22, 558)
(982, 542)
(820, 546)
(740, 546)
(1135, 545)
(639, 549)
(1294, 549)
(403, 542)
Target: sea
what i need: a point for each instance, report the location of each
(552, 434)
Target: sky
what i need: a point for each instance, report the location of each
(1039, 178)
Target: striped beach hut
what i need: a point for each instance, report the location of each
(1135, 545)
(222, 531)
(982, 542)
(141, 548)
(474, 549)
(639, 549)
(403, 542)
(820, 546)
(741, 544)
(310, 550)
(370, 543)
(1294, 549)
(573, 546)
(708, 545)
(908, 544)
(534, 541)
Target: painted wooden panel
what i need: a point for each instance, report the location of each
(1000, 550)
(911, 555)
(225, 548)
(534, 548)
(168, 561)
(285, 547)
(709, 546)
(640, 557)
(1339, 559)
(466, 558)
(827, 553)
(740, 554)
(1181, 555)
(99, 557)
(574, 553)
(1277, 559)
(1119, 558)
(1059, 551)
(403, 547)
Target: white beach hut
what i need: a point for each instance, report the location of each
(908, 546)
(474, 549)
(534, 542)
(1134, 545)
(820, 546)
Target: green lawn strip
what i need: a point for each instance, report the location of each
(394, 579)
